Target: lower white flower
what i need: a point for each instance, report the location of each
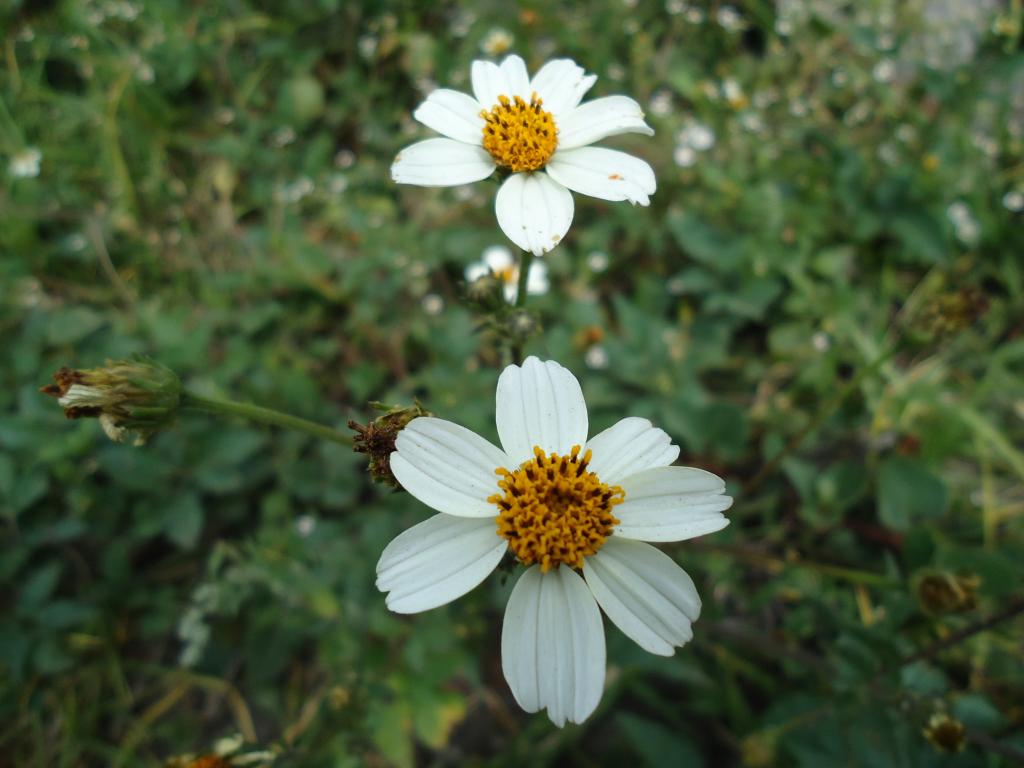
(575, 512)
(498, 260)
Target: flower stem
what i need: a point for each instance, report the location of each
(524, 273)
(262, 415)
(525, 261)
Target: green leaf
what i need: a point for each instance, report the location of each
(60, 614)
(183, 520)
(908, 493)
(658, 746)
(68, 326)
(38, 587)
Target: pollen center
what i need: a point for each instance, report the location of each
(520, 135)
(554, 510)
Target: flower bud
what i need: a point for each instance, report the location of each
(486, 292)
(941, 592)
(949, 312)
(944, 733)
(127, 396)
(377, 439)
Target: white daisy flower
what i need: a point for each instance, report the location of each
(575, 512)
(25, 164)
(537, 130)
(497, 42)
(499, 261)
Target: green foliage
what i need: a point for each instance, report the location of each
(212, 191)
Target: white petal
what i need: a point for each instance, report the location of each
(671, 504)
(489, 82)
(630, 446)
(600, 118)
(552, 645)
(561, 84)
(452, 114)
(533, 211)
(648, 596)
(441, 163)
(537, 280)
(447, 467)
(606, 174)
(476, 270)
(540, 403)
(514, 70)
(437, 561)
(498, 258)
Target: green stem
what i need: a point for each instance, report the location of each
(525, 261)
(262, 415)
(524, 273)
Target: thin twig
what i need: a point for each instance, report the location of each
(1013, 608)
(95, 234)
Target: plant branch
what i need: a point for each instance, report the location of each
(262, 415)
(1012, 609)
(525, 262)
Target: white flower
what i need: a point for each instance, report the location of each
(697, 135)
(597, 261)
(433, 304)
(1014, 201)
(684, 156)
(729, 19)
(596, 357)
(966, 226)
(499, 261)
(733, 93)
(575, 512)
(25, 164)
(661, 102)
(884, 71)
(538, 130)
(497, 42)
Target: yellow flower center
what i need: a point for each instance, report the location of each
(507, 274)
(554, 510)
(520, 136)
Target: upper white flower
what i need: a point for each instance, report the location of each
(564, 506)
(538, 130)
(498, 260)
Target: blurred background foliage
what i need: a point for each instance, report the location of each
(823, 304)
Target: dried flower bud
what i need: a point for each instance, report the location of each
(941, 592)
(377, 439)
(521, 325)
(949, 312)
(944, 733)
(127, 396)
(487, 292)
(758, 750)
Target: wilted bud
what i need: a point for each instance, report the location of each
(949, 312)
(377, 439)
(944, 733)
(487, 292)
(758, 750)
(942, 592)
(127, 396)
(522, 324)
